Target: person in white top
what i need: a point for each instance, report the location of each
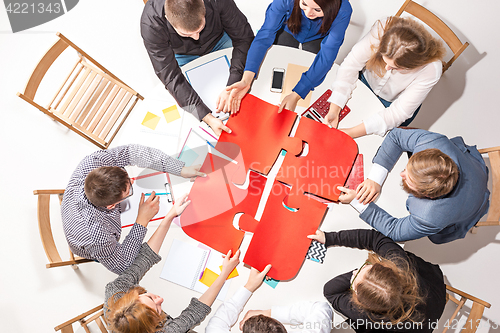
(400, 61)
(313, 317)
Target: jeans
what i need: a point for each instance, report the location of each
(285, 39)
(223, 43)
(387, 103)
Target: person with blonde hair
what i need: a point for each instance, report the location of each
(393, 290)
(447, 183)
(129, 308)
(400, 61)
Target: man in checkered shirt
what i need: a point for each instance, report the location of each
(91, 210)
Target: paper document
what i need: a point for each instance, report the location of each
(209, 80)
(186, 263)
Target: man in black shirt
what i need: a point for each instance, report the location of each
(176, 31)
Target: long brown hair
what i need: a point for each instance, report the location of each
(407, 43)
(263, 324)
(389, 291)
(330, 10)
(128, 315)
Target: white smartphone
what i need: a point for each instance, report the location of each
(277, 82)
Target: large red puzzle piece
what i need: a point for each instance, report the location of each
(260, 132)
(326, 164)
(280, 236)
(214, 202)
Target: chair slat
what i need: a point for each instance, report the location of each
(68, 87)
(62, 85)
(83, 96)
(109, 113)
(98, 105)
(69, 98)
(103, 109)
(116, 115)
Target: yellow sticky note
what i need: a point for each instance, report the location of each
(233, 274)
(151, 120)
(208, 277)
(171, 113)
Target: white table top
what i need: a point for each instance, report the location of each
(308, 284)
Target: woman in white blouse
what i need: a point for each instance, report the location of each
(400, 62)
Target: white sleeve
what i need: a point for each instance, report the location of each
(407, 102)
(348, 72)
(227, 314)
(358, 205)
(312, 317)
(378, 174)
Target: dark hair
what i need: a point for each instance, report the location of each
(185, 14)
(389, 291)
(330, 10)
(127, 314)
(105, 185)
(407, 43)
(263, 324)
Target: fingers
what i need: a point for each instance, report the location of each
(142, 199)
(226, 129)
(343, 189)
(267, 269)
(280, 107)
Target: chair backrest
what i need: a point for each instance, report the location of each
(435, 23)
(45, 229)
(95, 315)
(475, 314)
(493, 217)
(91, 101)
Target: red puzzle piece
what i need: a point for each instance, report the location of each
(280, 237)
(214, 202)
(260, 132)
(326, 164)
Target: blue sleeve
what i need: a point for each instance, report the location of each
(399, 229)
(399, 140)
(276, 15)
(323, 61)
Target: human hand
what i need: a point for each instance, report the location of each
(346, 194)
(319, 236)
(216, 124)
(179, 206)
(230, 263)
(253, 313)
(332, 118)
(237, 91)
(367, 191)
(192, 172)
(148, 209)
(289, 102)
(221, 104)
(256, 278)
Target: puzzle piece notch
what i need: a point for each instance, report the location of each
(261, 133)
(213, 224)
(280, 236)
(324, 165)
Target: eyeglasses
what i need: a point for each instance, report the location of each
(130, 193)
(359, 270)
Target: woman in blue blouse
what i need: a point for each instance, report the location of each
(318, 25)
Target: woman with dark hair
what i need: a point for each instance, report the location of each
(129, 308)
(319, 26)
(400, 61)
(393, 290)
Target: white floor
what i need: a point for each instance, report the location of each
(40, 154)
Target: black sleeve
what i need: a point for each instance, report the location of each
(235, 24)
(168, 71)
(365, 239)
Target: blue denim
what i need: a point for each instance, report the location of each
(223, 43)
(407, 122)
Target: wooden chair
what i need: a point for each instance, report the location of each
(95, 315)
(91, 101)
(476, 311)
(493, 217)
(46, 231)
(435, 23)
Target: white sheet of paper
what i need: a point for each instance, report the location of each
(186, 262)
(209, 80)
(147, 184)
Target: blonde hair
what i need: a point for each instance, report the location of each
(433, 173)
(407, 43)
(389, 291)
(128, 315)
